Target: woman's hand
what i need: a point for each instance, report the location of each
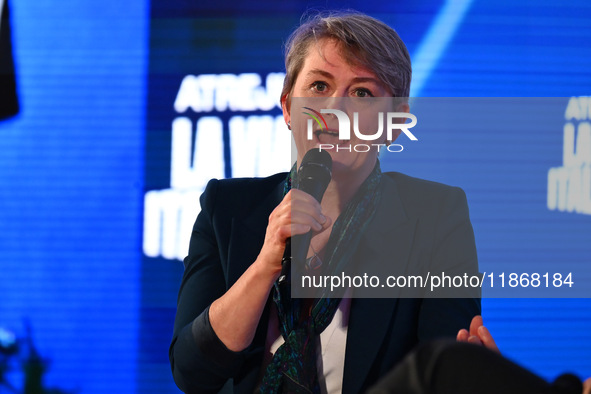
(297, 214)
(478, 335)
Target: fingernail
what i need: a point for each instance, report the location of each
(322, 219)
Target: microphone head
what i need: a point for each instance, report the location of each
(315, 173)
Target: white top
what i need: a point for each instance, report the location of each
(330, 348)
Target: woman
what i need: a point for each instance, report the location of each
(234, 328)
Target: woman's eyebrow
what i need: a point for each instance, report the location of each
(366, 79)
(326, 74)
(318, 71)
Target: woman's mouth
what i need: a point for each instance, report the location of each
(328, 137)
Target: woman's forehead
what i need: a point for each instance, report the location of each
(328, 54)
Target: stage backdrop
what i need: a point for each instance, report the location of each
(127, 110)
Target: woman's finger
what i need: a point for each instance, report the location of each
(487, 339)
(463, 335)
(475, 324)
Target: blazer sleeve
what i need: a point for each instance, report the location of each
(454, 253)
(199, 360)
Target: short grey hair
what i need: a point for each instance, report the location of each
(365, 41)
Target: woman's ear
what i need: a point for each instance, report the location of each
(285, 106)
(402, 107)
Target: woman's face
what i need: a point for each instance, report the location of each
(326, 75)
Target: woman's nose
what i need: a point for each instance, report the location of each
(337, 102)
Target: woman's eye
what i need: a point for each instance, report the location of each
(362, 93)
(319, 86)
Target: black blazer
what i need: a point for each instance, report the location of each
(420, 222)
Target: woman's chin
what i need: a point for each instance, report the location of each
(345, 158)
(345, 162)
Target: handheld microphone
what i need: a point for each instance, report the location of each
(314, 176)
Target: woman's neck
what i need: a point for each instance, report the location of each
(342, 188)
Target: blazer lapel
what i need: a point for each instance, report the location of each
(248, 233)
(387, 240)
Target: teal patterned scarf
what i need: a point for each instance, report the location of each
(293, 367)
